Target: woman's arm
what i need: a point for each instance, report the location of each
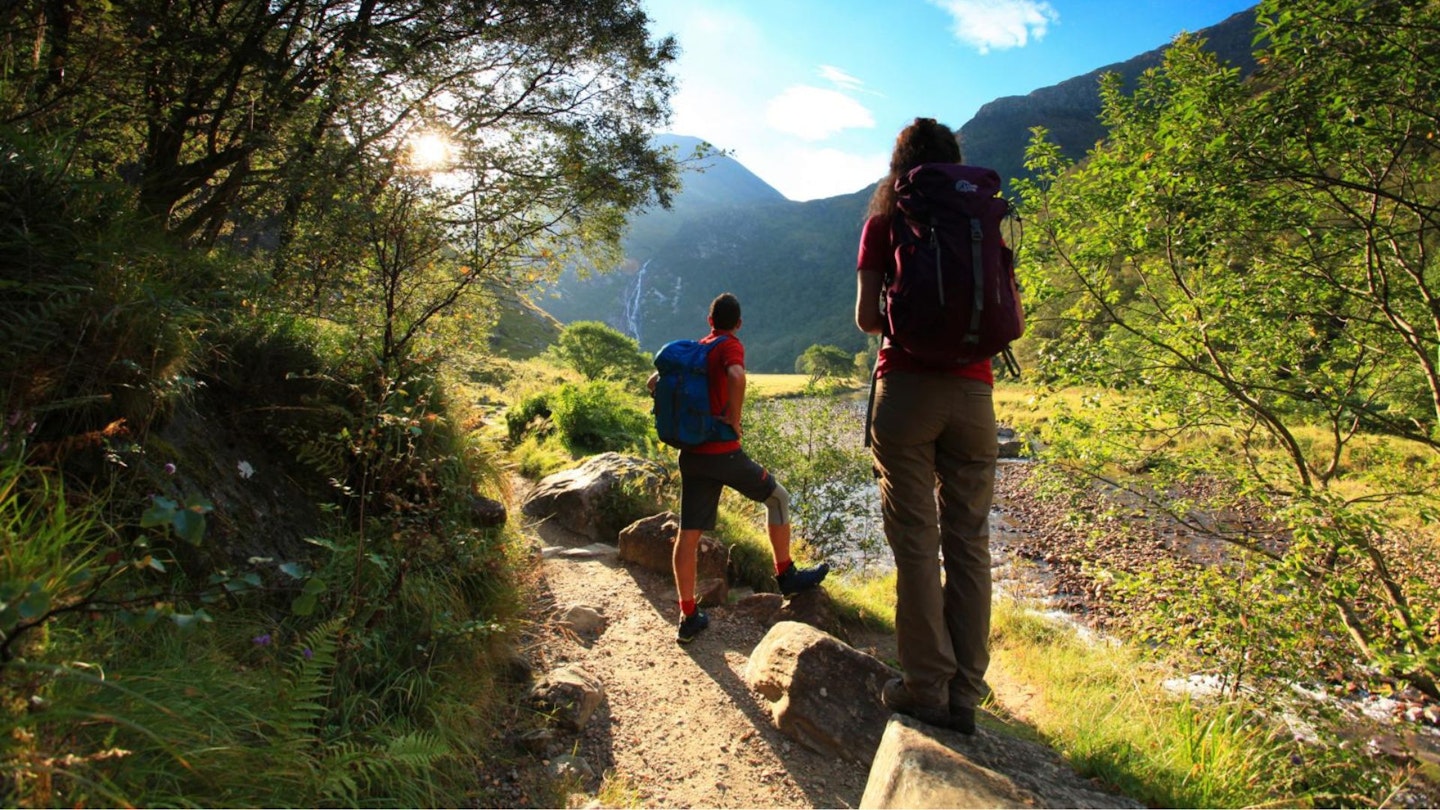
(867, 300)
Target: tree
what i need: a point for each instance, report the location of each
(1254, 260)
(214, 106)
(600, 352)
(285, 133)
(825, 361)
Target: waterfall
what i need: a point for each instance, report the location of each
(632, 302)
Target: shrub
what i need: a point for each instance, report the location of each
(521, 418)
(598, 417)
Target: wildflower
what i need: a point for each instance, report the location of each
(262, 640)
(245, 469)
(169, 469)
(308, 653)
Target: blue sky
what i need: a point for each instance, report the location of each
(809, 94)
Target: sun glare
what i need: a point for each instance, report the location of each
(430, 150)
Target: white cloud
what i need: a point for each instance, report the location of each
(1000, 24)
(805, 173)
(813, 114)
(840, 78)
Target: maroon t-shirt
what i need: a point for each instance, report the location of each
(877, 253)
(728, 353)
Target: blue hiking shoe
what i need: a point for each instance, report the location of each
(690, 626)
(794, 579)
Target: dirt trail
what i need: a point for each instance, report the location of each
(678, 724)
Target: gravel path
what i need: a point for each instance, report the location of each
(678, 725)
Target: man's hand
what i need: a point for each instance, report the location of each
(650, 383)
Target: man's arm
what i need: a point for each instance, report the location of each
(867, 300)
(735, 375)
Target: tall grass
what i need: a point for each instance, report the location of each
(1102, 704)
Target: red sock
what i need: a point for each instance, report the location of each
(687, 607)
(781, 565)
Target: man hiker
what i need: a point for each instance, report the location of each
(708, 467)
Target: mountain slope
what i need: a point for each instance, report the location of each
(997, 135)
(792, 264)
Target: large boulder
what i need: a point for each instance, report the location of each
(650, 544)
(599, 497)
(923, 767)
(913, 769)
(822, 692)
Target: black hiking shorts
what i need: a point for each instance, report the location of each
(703, 476)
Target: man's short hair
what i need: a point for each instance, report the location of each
(725, 311)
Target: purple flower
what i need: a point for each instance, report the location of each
(308, 653)
(262, 640)
(169, 469)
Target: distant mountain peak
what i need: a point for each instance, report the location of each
(718, 179)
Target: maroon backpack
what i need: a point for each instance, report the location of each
(953, 298)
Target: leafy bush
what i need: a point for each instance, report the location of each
(597, 417)
(529, 415)
(805, 444)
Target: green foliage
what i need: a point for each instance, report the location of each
(827, 473)
(103, 316)
(536, 457)
(599, 416)
(371, 694)
(825, 361)
(1104, 707)
(213, 235)
(600, 352)
(530, 416)
(60, 562)
(1249, 261)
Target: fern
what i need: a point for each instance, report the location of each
(301, 708)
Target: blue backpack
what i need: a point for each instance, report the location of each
(682, 395)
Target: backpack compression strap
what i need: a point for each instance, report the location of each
(977, 235)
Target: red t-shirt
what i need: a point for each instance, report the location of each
(877, 253)
(728, 353)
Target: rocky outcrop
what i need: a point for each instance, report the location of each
(826, 695)
(650, 542)
(922, 767)
(913, 769)
(487, 512)
(600, 497)
(583, 620)
(1011, 445)
(813, 607)
(569, 695)
(821, 692)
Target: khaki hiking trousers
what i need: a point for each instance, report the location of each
(929, 430)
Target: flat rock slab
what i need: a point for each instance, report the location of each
(921, 767)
